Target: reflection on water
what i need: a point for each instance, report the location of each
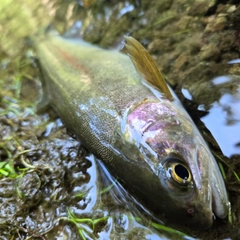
(127, 8)
(234, 61)
(90, 190)
(223, 121)
(223, 118)
(186, 94)
(221, 80)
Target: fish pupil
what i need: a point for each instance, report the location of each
(181, 171)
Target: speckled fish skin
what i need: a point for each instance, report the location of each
(133, 129)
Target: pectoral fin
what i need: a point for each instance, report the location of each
(146, 66)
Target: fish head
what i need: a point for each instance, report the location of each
(191, 189)
(184, 176)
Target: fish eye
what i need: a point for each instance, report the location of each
(180, 173)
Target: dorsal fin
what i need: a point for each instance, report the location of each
(146, 66)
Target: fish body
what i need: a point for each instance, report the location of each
(139, 131)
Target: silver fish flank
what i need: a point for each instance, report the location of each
(122, 110)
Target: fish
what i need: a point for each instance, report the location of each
(122, 110)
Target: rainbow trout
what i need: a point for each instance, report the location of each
(122, 110)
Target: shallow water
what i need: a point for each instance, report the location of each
(192, 44)
(223, 122)
(222, 116)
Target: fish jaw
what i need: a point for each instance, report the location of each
(168, 134)
(221, 205)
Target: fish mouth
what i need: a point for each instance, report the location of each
(220, 205)
(202, 216)
(213, 196)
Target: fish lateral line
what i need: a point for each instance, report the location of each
(146, 66)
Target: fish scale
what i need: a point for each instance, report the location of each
(125, 114)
